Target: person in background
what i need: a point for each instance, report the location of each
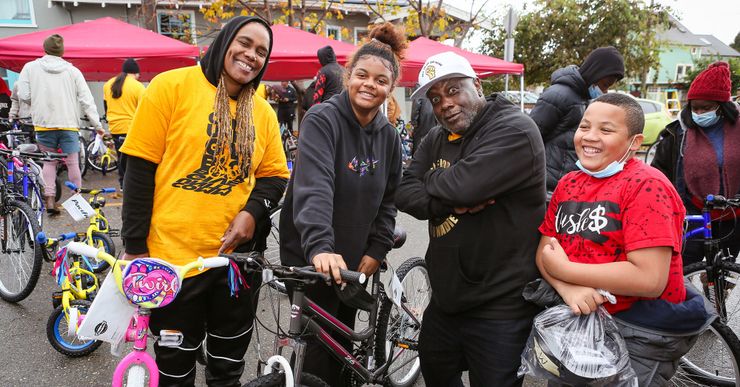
(560, 107)
(121, 96)
(18, 108)
(286, 98)
(205, 167)
(338, 210)
(422, 120)
(479, 179)
(4, 99)
(394, 111)
(330, 78)
(700, 154)
(56, 90)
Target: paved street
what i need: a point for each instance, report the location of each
(29, 360)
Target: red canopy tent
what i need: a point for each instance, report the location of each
(294, 53)
(99, 47)
(422, 48)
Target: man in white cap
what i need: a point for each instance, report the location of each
(479, 178)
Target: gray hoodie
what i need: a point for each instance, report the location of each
(56, 91)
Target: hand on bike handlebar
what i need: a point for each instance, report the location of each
(239, 231)
(99, 130)
(368, 265)
(474, 209)
(329, 264)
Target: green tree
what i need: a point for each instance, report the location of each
(557, 33)
(736, 43)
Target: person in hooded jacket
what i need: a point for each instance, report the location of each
(479, 179)
(205, 166)
(330, 78)
(560, 108)
(338, 210)
(700, 154)
(56, 90)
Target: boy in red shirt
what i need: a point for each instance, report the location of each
(616, 225)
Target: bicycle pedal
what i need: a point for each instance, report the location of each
(170, 338)
(56, 299)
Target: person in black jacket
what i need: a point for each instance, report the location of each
(201, 181)
(700, 154)
(330, 78)
(560, 108)
(286, 99)
(479, 178)
(338, 210)
(422, 120)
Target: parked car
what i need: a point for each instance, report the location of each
(530, 99)
(656, 119)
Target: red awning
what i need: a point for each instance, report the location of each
(294, 53)
(99, 47)
(422, 48)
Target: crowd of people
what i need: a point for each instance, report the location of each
(509, 197)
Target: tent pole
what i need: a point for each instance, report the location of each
(506, 82)
(521, 91)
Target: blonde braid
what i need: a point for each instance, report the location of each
(224, 162)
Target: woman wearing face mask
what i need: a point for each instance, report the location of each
(560, 107)
(700, 153)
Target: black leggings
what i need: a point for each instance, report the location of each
(693, 249)
(203, 307)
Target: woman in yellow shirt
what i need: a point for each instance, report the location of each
(121, 96)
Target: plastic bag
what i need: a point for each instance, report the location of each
(584, 350)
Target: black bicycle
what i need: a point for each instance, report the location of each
(385, 351)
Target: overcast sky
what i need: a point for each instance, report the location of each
(720, 18)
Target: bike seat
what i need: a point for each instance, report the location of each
(399, 237)
(28, 148)
(150, 283)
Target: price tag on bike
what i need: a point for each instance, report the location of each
(394, 290)
(78, 207)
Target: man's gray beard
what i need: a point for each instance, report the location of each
(468, 119)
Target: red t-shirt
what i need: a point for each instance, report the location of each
(601, 220)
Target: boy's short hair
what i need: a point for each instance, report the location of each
(635, 118)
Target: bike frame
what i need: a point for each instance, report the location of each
(307, 315)
(715, 287)
(137, 333)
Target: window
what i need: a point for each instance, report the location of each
(682, 70)
(333, 32)
(17, 13)
(178, 25)
(360, 34)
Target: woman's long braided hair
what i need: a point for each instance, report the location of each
(234, 146)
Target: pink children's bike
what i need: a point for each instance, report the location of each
(146, 283)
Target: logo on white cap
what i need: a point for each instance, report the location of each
(442, 66)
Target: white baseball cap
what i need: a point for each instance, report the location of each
(442, 66)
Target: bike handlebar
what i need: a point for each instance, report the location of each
(721, 202)
(33, 155)
(305, 272)
(43, 240)
(93, 191)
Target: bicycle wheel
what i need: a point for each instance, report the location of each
(729, 280)
(100, 240)
(272, 253)
(57, 331)
(136, 376)
(277, 379)
(397, 335)
(712, 361)
(22, 257)
(95, 159)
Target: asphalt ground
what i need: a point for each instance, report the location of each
(27, 358)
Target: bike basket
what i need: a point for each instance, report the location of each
(150, 283)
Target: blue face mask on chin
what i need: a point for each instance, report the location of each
(705, 119)
(612, 169)
(595, 92)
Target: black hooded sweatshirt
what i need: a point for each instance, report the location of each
(479, 263)
(330, 78)
(140, 173)
(340, 197)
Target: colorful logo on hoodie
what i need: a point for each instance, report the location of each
(362, 167)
